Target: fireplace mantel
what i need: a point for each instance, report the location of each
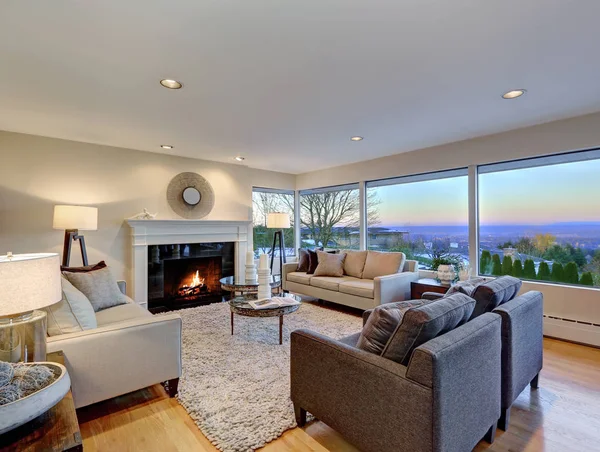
(145, 233)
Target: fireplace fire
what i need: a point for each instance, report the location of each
(195, 287)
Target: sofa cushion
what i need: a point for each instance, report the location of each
(303, 260)
(494, 293)
(360, 288)
(354, 263)
(121, 313)
(381, 264)
(330, 264)
(382, 323)
(99, 286)
(299, 277)
(72, 314)
(426, 322)
(330, 282)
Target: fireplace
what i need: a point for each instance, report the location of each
(187, 275)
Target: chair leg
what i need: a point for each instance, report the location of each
(300, 415)
(490, 436)
(504, 419)
(171, 386)
(535, 382)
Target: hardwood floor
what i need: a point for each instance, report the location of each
(563, 415)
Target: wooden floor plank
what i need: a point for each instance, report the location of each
(563, 415)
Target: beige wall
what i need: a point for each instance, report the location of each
(555, 137)
(36, 173)
(559, 136)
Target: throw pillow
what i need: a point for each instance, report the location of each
(493, 293)
(381, 264)
(72, 314)
(85, 268)
(99, 286)
(313, 262)
(354, 263)
(303, 260)
(382, 323)
(330, 264)
(425, 322)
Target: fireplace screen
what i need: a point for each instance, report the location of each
(181, 276)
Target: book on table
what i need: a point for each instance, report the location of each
(272, 303)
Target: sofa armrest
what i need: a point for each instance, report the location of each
(394, 287)
(122, 357)
(287, 268)
(431, 296)
(352, 391)
(463, 369)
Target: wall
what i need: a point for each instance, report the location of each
(37, 172)
(583, 132)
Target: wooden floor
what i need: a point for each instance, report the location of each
(563, 415)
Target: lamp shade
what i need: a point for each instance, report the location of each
(75, 217)
(28, 282)
(278, 220)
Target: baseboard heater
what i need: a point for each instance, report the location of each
(572, 330)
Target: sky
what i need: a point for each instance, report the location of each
(543, 195)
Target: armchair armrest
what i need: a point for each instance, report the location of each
(431, 296)
(122, 357)
(360, 394)
(394, 287)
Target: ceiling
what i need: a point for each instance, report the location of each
(287, 83)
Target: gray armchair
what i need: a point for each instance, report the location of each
(447, 399)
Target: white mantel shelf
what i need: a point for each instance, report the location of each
(146, 233)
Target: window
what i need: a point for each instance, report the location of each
(425, 216)
(539, 219)
(265, 201)
(330, 217)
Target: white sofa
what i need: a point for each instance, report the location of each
(130, 350)
(350, 291)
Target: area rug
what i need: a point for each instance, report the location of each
(237, 388)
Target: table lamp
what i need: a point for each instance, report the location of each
(27, 282)
(279, 221)
(72, 219)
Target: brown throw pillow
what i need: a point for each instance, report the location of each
(313, 261)
(382, 323)
(330, 264)
(354, 263)
(381, 264)
(84, 269)
(303, 260)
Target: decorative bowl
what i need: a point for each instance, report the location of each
(17, 413)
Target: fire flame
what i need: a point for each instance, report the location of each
(196, 280)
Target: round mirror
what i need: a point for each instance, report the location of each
(191, 196)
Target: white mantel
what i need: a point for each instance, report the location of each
(164, 232)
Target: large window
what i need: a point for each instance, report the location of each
(330, 217)
(265, 201)
(425, 216)
(539, 219)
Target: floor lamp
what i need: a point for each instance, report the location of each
(73, 219)
(28, 283)
(279, 221)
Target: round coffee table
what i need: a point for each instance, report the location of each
(231, 284)
(240, 306)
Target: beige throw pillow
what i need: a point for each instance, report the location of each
(100, 286)
(330, 264)
(355, 263)
(381, 264)
(74, 313)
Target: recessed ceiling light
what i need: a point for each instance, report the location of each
(356, 138)
(514, 94)
(166, 146)
(239, 158)
(171, 84)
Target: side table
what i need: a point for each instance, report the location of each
(419, 287)
(57, 430)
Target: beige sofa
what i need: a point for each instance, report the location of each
(351, 291)
(130, 350)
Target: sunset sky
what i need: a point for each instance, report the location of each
(543, 195)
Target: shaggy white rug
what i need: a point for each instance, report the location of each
(237, 388)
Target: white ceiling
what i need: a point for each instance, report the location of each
(286, 83)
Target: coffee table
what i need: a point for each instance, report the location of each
(240, 306)
(231, 284)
